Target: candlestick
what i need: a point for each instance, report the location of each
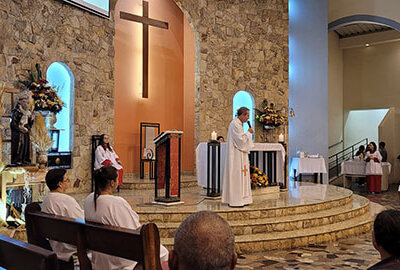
(213, 136)
(281, 138)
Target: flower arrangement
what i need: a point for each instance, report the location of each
(45, 97)
(40, 138)
(269, 116)
(258, 178)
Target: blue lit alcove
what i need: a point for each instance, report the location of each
(244, 99)
(60, 77)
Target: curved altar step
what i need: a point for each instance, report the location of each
(307, 214)
(358, 207)
(133, 182)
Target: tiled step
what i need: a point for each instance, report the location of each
(172, 215)
(297, 238)
(135, 183)
(359, 206)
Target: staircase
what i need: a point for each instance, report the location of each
(335, 160)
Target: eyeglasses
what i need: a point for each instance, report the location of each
(66, 180)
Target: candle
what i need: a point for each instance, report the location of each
(281, 138)
(213, 136)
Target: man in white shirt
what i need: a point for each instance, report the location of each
(236, 190)
(57, 202)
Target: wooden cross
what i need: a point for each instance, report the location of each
(146, 21)
(245, 170)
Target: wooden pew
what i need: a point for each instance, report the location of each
(141, 246)
(18, 255)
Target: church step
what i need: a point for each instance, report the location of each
(135, 183)
(359, 206)
(252, 213)
(297, 238)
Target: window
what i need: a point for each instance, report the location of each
(244, 99)
(60, 77)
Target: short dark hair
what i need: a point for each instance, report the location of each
(53, 177)
(220, 137)
(387, 231)
(205, 240)
(382, 144)
(241, 111)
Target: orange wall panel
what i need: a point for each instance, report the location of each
(165, 104)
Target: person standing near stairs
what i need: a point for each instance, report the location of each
(374, 168)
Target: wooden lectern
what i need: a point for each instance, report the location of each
(168, 167)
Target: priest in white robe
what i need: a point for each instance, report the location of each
(236, 189)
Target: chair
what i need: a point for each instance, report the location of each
(148, 131)
(95, 143)
(15, 254)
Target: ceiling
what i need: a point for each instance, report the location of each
(357, 29)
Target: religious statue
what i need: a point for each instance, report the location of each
(21, 124)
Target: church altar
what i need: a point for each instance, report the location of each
(259, 155)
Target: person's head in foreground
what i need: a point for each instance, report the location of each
(361, 148)
(57, 180)
(220, 139)
(243, 114)
(204, 240)
(105, 181)
(386, 234)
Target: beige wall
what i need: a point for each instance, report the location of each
(371, 77)
(371, 81)
(383, 8)
(335, 84)
(388, 130)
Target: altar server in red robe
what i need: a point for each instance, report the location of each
(374, 168)
(106, 156)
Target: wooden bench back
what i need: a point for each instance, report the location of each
(141, 246)
(15, 254)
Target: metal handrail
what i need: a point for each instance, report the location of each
(350, 147)
(333, 145)
(336, 159)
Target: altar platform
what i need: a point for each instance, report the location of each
(306, 214)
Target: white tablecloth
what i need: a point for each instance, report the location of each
(353, 167)
(357, 167)
(201, 160)
(308, 165)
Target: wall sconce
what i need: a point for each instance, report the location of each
(291, 112)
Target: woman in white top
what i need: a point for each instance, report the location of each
(374, 168)
(105, 155)
(57, 202)
(102, 207)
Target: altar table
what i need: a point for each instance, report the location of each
(268, 157)
(308, 165)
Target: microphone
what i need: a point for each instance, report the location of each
(248, 122)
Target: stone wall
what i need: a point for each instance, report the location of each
(240, 45)
(48, 31)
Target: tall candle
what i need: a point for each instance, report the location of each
(213, 136)
(281, 138)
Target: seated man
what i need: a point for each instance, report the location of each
(57, 202)
(204, 240)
